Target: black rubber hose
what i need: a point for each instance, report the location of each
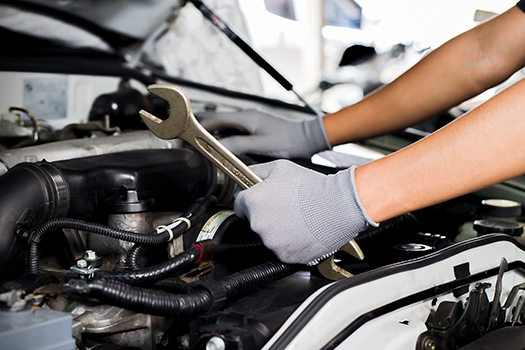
(224, 248)
(165, 304)
(153, 273)
(140, 299)
(388, 225)
(192, 213)
(107, 231)
(27, 197)
(197, 209)
(99, 229)
(255, 277)
(134, 256)
(172, 284)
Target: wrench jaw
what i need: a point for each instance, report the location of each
(152, 122)
(179, 102)
(331, 271)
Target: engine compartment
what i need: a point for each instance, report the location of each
(140, 249)
(111, 238)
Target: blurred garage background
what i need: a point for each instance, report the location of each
(305, 40)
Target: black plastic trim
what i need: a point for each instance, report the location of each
(113, 38)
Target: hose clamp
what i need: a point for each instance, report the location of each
(60, 187)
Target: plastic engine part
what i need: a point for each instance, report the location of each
(36, 329)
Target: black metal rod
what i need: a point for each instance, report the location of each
(247, 49)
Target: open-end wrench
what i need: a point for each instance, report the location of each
(182, 124)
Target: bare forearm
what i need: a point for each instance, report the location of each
(477, 150)
(460, 69)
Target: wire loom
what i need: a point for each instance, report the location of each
(210, 297)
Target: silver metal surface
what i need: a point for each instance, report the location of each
(70, 149)
(106, 323)
(115, 252)
(182, 124)
(81, 263)
(90, 254)
(216, 343)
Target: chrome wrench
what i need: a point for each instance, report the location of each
(182, 124)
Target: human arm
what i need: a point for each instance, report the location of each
(458, 70)
(481, 148)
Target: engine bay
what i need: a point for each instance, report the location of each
(138, 247)
(112, 238)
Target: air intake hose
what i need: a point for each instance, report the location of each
(29, 194)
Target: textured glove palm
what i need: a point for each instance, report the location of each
(302, 215)
(270, 134)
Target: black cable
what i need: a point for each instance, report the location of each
(172, 284)
(255, 277)
(387, 225)
(134, 256)
(192, 213)
(167, 304)
(153, 273)
(224, 248)
(197, 209)
(141, 299)
(99, 229)
(56, 224)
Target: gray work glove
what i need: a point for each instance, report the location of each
(301, 215)
(271, 135)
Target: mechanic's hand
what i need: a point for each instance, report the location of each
(270, 134)
(302, 215)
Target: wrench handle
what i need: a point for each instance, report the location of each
(221, 157)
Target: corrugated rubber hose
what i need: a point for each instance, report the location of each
(212, 295)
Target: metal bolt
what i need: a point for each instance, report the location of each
(90, 255)
(429, 344)
(184, 341)
(157, 339)
(122, 262)
(216, 343)
(81, 263)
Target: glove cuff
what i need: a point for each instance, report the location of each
(316, 134)
(358, 200)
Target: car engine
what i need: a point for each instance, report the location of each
(112, 238)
